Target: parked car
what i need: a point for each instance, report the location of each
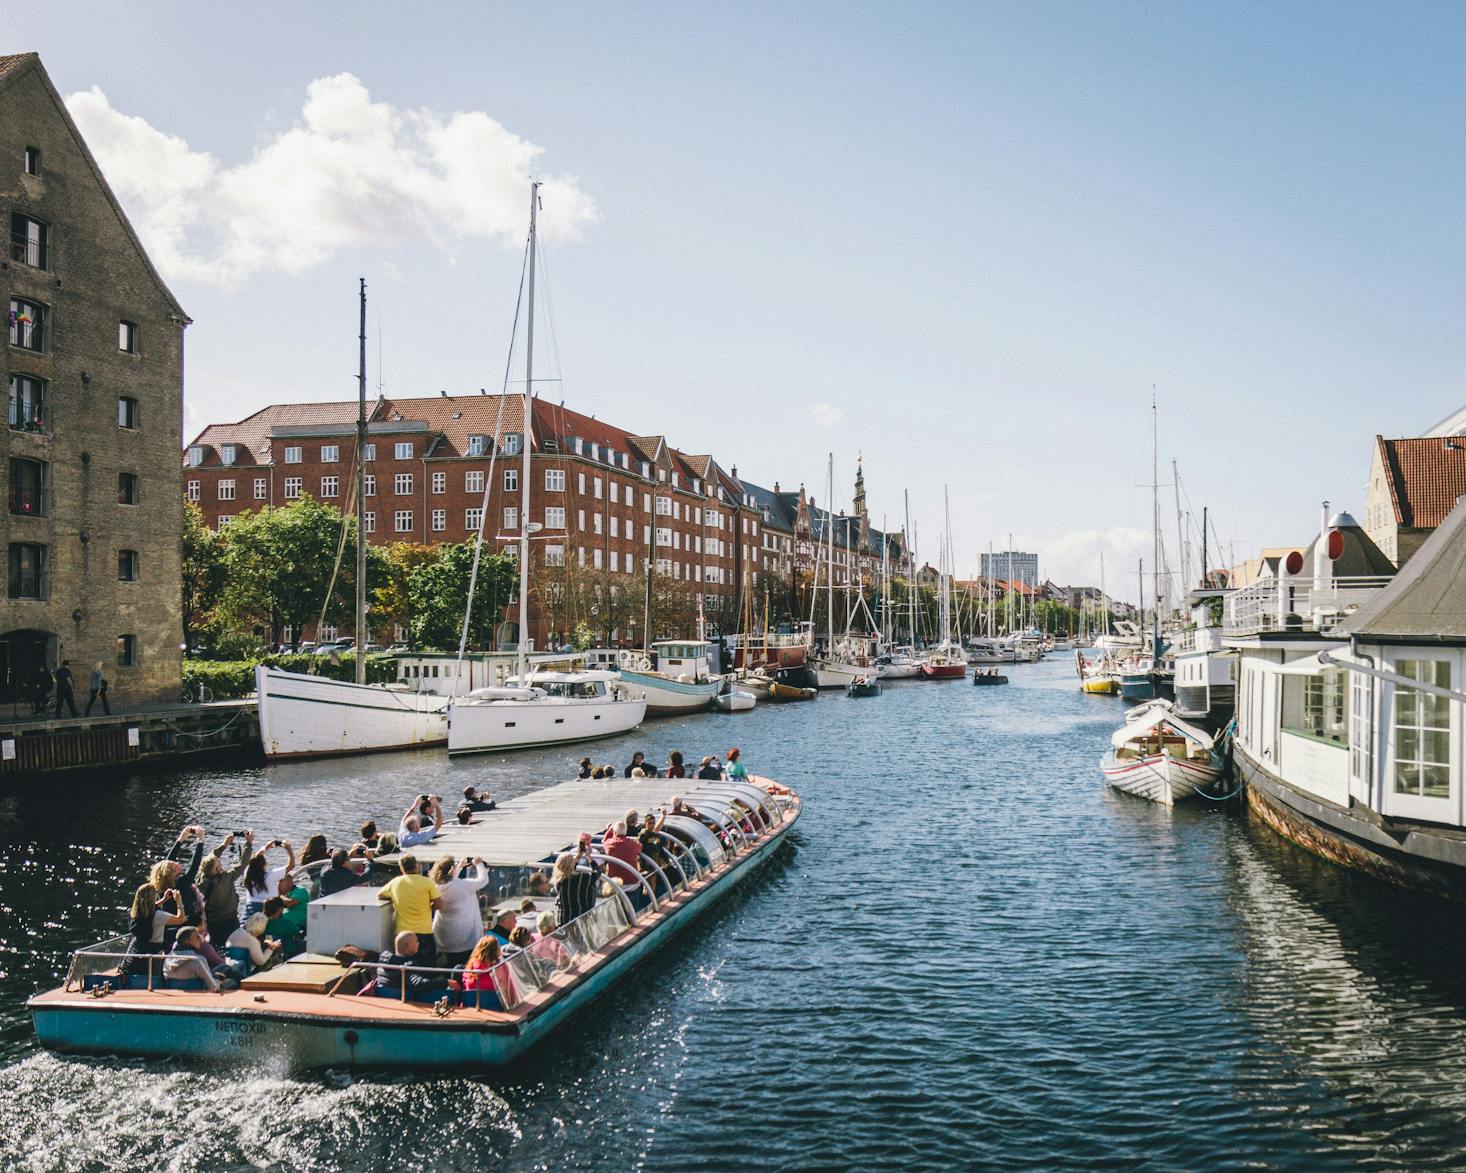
(399, 650)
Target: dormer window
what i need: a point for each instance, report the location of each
(625, 461)
(675, 479)
(195, 456)
(228, 453)
(511, 443)
(575, 442)
(646, 470)
(595, 451)
(476, 445)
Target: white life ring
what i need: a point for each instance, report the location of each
(643, 664)
(624, 658)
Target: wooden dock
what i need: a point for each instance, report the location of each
(146, 735)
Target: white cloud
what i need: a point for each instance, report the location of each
(1073, 559)
(826, 415)
(349, 172)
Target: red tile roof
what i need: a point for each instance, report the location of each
(253, 431)
(1425, 478)
(12, 62)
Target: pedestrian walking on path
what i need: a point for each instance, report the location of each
(98, 689)
(65, 683)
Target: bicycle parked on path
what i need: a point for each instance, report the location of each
(197, 694)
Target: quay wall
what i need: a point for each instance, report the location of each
(37, 748)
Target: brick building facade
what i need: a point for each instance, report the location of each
(606, 499)
(94, 371)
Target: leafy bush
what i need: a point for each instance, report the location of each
(236, 678)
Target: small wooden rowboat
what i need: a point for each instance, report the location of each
(783, 694)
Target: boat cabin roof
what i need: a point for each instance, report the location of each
(1159, 717)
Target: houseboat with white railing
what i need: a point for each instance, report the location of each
(1351, 709)
(317, 1012)
(1206, 671)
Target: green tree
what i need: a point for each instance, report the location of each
(392, 600)
(279, 564)
(438, 590)
(203, 574)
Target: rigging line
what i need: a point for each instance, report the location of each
(549, 304)
(478, 545)
(347, 515)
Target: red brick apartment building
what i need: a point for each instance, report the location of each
(604, 496)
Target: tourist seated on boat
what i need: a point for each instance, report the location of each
(585, 769)
(261, 881)
(680, 807)
(414, 899)
(506, 920)
(481, 976)
(653, 845)
(675, 768)
(476, 801)
(638, 772)
(421, 822)
(248, 944)
(315, 850)
(186, 962)
(291, 929)
(633, 823)
(147, 923)
(465, 815)
(547, 947)
(625, 848)
(735, 769)
(458, 922)
(368, 833)
(638, 762)
(711, 770)
(340, 874)
(539, 884)
(577, 877)
(522, 937)
(420, 987)
(221, 896)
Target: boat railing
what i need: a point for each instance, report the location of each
(1293, 605)
(105, 957)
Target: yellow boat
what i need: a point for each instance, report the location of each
(1105, 685)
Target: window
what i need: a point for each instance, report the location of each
(27, 487)
(28, 239)
(262, 488)
(615, 490)
(664, 536)
(127, 337)
(226, 490)
(33, 160)
(402, 521)
(1323, 706)
(127, 651)
(330, 453)
(225, 521)
(27, 324)
(554, 480)
(402, 484)
(292, 488)
(127, 565)
(511, 444)
(646, 502)
(192, 491)
(615, 526)
(476, 445)
(1361, 748)
(554, 555)
(554, 517)
(369, 521)
(473, 482)
(127, 418)
(330, 486)
(440, 520)
(403, 450)
(195, 456)
(595, 558)
(127, 488)
(511, 517)
(580, 483)
(1423, 731)
(27, 571)
(228, 453)
(511, 480)
(473, 520)
(596, 488)
(292, 455)
(616, 562)
(27, 403)
(370, 453)
(371, 484)
(664, 507)
(596, 521)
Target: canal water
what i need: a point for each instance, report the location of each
(970, 954)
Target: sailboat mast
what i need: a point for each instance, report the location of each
(830, 563)
(910, 569)
(361, 439)
(1155, 489)
(522, 663)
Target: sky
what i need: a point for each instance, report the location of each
(965, 242)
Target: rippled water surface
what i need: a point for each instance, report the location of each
(970, 954)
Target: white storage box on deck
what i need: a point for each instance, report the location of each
(353, 917)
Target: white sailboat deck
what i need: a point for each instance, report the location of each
(523, 831)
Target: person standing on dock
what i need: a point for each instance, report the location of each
(96, 688)
(65, 689)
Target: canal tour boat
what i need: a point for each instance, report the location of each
(1157, 755)
(316, 1012)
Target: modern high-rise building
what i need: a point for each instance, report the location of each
(1011, 567)
(94, 368)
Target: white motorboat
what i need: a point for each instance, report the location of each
(313, 716)
(900, 664)
(679, 682)
(984, 651)
(735, 700)
(551, 708)
(1158, 756)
